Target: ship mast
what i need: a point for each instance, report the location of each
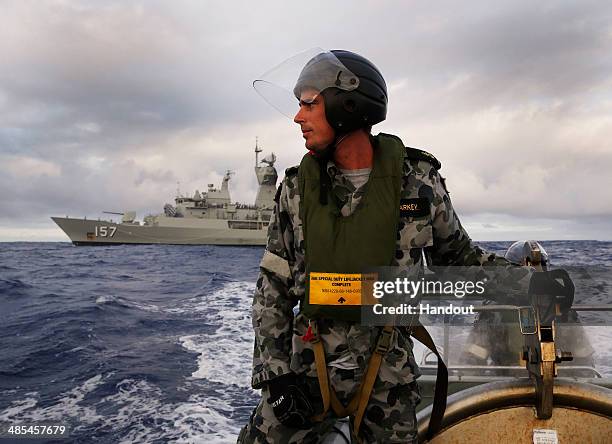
(266, 178)
(257, 151)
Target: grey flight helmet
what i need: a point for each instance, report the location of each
(354, 90)
(528, 252)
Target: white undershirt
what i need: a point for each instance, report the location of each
(357, 177)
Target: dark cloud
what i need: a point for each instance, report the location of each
(133, 71)
(503, 55)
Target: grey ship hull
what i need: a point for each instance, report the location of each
(175, 231)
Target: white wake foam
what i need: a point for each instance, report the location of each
(226, 354)
(68, 407)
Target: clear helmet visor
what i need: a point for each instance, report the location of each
(302, 78)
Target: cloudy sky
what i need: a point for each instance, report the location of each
(106, 105)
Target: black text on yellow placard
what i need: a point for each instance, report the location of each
(340, 288)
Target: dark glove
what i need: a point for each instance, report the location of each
(555, 283)
(289, 403)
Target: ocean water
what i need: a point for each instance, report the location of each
(151, 343)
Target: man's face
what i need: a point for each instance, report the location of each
(311, 117)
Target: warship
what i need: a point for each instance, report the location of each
(207, 218)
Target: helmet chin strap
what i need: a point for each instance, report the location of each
(339, 140)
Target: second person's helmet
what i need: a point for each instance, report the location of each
(528, 252)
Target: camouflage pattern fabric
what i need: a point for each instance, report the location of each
(347, 197)
(279, 348)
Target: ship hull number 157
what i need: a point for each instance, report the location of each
(105, 231)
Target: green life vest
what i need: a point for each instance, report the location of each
(356, 243)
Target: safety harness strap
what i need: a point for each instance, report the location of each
(439, 403)
(383, 344)
(360, 400)
(319, 354)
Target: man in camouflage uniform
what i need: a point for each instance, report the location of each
(282, 357)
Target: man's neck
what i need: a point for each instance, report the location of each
(354, 151)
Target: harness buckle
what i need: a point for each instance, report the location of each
(383, 343)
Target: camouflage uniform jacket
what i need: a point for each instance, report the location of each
(278, 346)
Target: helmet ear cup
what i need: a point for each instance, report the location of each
(334, 109)
(349, 105)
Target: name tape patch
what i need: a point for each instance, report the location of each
(417, 207)
(341, 288)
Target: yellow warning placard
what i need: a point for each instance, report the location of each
(341, 288)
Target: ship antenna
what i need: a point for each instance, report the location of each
(257, 151)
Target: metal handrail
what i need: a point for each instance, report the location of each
(510, 367)
(579, 307)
